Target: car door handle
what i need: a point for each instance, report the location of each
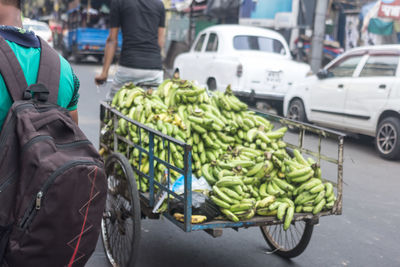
(382, 86)
(340, 86)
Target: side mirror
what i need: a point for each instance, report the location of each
(322, 74)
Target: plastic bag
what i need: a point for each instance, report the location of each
(197, 185)
(179, 188)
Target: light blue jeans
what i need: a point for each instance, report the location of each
(124, 75)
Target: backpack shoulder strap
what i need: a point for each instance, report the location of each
(49, 70)
(11, 71)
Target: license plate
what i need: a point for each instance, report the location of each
(273, 77)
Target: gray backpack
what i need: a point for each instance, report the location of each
(52, 179)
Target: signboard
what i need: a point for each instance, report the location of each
(389, 9)
(269, 13)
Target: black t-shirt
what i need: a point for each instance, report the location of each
(139, 21)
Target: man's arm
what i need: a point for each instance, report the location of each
(109, 52)
(161, 37)
(74, 115)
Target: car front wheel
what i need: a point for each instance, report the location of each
(388, 138)
(296, 111)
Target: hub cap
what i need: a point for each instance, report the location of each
(386, 139)
(294, 112)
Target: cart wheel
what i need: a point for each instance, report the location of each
(290, 243)
(121, 219)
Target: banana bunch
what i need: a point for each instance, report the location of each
(230, 195)
(228, 102)
(176, 91)
(311, 193)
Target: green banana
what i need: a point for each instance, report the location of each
(317, 189)
(328, 189)
(263, 190)
(283, 184)
(281, 210)
(299, 172)
(319, 206)
(299, 157)
(230, 215)
(221, 195)
(131, 97)
(241, 207)
(303, 178)
(320, 196)
(265, 202)
(206, 173)
(266, 212)
(229, 181)
(288, 218)
(220, 202)
(231, 193)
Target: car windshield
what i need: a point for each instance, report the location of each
(259, 43)
(36, 27)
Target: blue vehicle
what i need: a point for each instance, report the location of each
(86, 34)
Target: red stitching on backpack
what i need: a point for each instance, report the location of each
(72, 260)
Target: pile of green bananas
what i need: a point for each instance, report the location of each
(238, 152)
(278, 186)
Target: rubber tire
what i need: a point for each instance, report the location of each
(136, 216)
(298, 249)
(394, 123)
(77, 59)
(297, 104)
(212, 84)
(99, 59)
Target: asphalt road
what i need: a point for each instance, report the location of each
(366, 234)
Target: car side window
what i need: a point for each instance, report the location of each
(259, 43)
(380, 66)
(212, 44)
(199, 43)
(344, 68)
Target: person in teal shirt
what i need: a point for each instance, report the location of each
(26, 46)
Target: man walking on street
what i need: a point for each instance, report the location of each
(143, 26)
(26, 47)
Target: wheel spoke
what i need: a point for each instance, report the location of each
(119, 223)
(289, 243)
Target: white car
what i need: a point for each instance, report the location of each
(41, 29)
(358, 92)
(256, 62)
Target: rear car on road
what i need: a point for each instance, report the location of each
(358, 92)
(41, 29)
(255, 61)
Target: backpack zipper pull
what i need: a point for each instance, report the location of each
(39, 200)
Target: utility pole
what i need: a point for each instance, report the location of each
(89, 6)
(318, 36)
